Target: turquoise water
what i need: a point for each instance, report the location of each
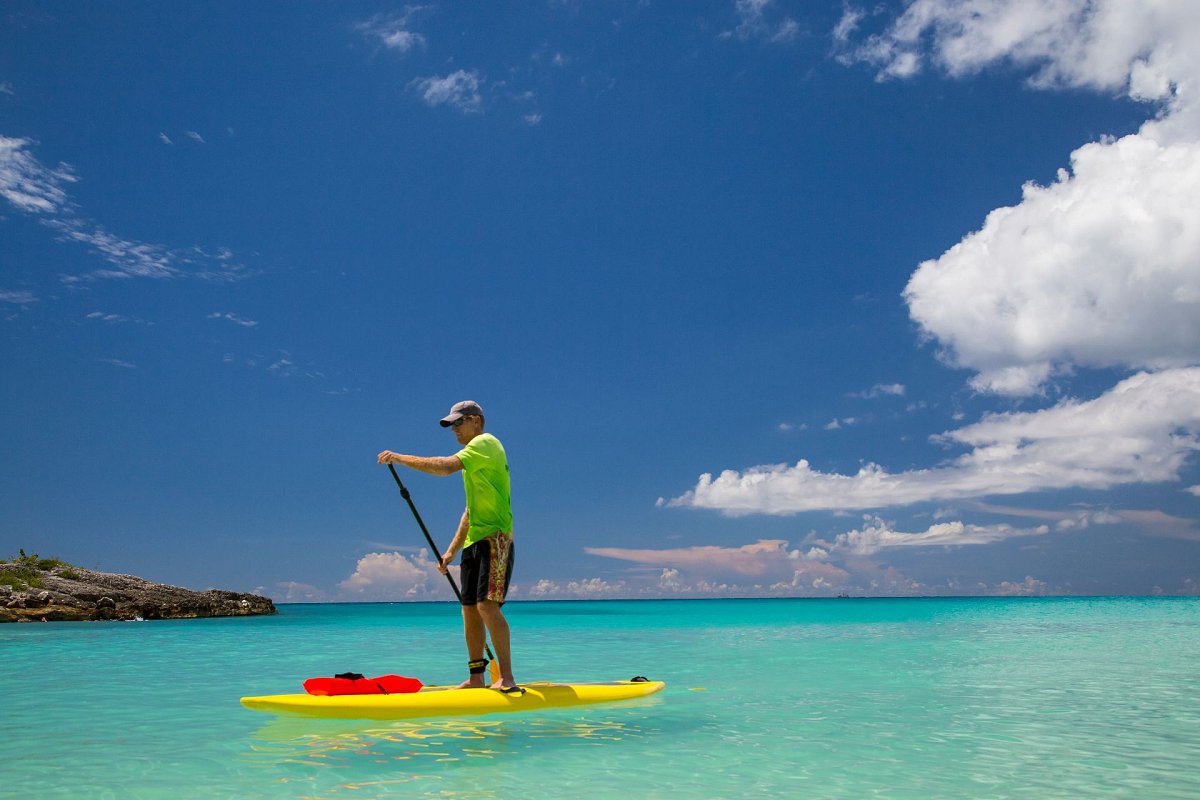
(974, 698)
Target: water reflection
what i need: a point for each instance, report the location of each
(342, 743)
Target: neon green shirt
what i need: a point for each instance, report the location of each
(485, 478)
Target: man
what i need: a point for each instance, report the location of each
(484, 536)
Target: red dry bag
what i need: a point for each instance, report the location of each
(353, 683)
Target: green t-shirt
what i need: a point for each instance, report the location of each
(485, 478)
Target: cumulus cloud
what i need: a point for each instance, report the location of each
(1100, 268)
(1030, 587)
(1141, 431)
(1098, 44)
(395, 576)
(580, 589)
(458, 90)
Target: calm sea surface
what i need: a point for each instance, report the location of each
(976, 698)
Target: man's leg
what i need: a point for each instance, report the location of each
(473, 630)
(490, 615)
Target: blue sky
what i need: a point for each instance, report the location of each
(763, 298)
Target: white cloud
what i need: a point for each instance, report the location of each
(116, 362)
(1098, 44)
(459, 90)
(6, 88)
(532, 119)
(881, 390)
(581, 589)
(33, 188)
(20, 297)
(1141, 431)
(165, 139)
(392, 30)
(394, 576)
(26, 183)
(103, 317)
(847, 25)
(876, 535)
(1030, 587)
(245, 323)
(130, 259)
(1099, 269)
(195, 137)
(754, 23)
(724, 571)
(1193, 490)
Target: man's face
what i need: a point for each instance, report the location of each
(467, 428)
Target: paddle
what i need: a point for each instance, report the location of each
(494, 667)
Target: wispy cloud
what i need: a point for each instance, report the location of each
(246, 323)
(393, 31)
(195, 137)
(7, 88)
(116, 362)
(881, 390)
(1141, 431)
(101, 316)
(876, 535)
(19, 297)
(757, 20)
(33, 188)
(27, 183)
(165, 139)
(458, 90)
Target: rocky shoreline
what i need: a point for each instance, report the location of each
(53, 591)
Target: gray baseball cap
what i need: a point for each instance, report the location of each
(464, 409)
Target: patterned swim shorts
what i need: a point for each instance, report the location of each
(487, 569)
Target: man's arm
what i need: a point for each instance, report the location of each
(459, 537)
(433, 465)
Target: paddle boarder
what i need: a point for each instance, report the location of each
(484, 536)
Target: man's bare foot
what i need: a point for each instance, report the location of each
(473, 682)
(507, 684)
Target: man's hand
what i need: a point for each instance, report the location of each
(388, 457)
(444, 564)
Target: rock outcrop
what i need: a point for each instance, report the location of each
(63, 592)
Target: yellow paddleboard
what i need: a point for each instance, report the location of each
(446, 701)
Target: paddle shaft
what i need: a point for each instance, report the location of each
(432, 546)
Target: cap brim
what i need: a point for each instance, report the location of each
(446, 422)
